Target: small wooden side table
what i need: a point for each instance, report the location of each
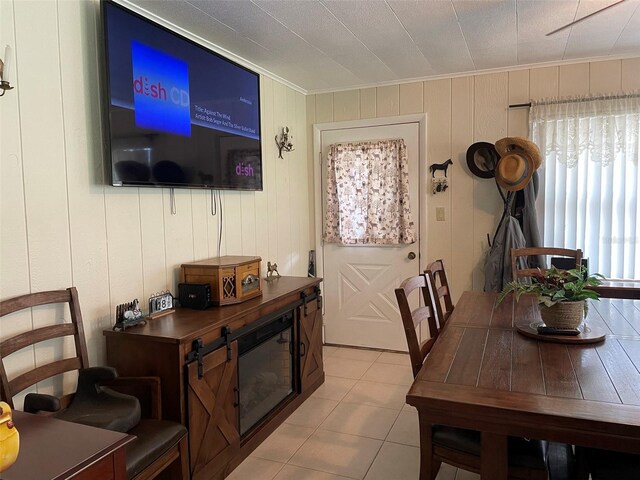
(52, 449)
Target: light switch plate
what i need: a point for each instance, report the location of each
(440, 214)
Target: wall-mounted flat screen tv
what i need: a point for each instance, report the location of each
(180, 115)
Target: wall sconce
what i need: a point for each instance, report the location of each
(4, 71)
(284, 143)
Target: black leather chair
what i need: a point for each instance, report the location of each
(102, 399)
(607, 465)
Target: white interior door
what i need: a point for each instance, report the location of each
(359, 281)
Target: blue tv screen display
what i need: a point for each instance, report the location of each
(179, 115)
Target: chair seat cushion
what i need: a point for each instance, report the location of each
(608, 465)
(522, 452)
(154, 437)
(104, 409)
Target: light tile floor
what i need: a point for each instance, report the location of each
(355, 426)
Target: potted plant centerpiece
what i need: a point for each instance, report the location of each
(561, 294)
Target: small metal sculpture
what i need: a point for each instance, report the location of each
(285, 142)
(272, 269)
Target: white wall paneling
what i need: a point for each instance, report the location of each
(200, 209)
(411, 98)
(155, 277)
(282, 218)
(269, 165)
(489, 124)
(387, 101)
(573, 80)
(63, 225)
(15, 276)
(605, 77)
(437, 105)
(461, 111)
(461, 187)
(324, 107)
(85, 169)
(248, 233)
(232, 217)
(543, 82)
(43, 149)
(178, 232)
(518, 118)
(346, 105)
(367, 103)
(631, 75)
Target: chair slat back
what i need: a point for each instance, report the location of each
(412, 318)
(437, 275)
(10, 388)
(516, 253)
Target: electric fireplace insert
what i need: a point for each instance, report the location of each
(265, 370)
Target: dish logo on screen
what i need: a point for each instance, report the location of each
(160, 91)
(244, 170)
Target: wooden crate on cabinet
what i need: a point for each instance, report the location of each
(232, 278)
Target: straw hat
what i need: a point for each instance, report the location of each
(519, 158)
(482, 159)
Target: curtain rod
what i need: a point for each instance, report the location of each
(576, 100)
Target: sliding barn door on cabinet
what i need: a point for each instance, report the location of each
(213, 413)
(310, 328)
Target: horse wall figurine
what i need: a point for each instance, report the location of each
(440, 166)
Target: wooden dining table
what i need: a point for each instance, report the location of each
(482, 374)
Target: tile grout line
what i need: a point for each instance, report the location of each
(332, 410)
(318, 428)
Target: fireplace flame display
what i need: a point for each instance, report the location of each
(265, 370)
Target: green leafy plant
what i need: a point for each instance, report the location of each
(552, 286)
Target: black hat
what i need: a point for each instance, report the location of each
(482, 158)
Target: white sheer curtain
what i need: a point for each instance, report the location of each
(591, 179)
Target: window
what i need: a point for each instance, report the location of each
(368, 194)
(591, 179)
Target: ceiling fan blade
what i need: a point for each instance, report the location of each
(585, 17)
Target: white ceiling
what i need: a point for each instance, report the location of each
(322, 45)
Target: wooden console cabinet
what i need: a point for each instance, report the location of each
(195, 353)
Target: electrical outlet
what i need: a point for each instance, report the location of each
(439, 214)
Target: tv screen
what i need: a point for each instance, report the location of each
(179, 115)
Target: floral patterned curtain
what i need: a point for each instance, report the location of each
(368, 194)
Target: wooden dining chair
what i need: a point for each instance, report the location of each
(441, 292)
(101, 399)
(516, 253)
(414, 318)
(456, 446)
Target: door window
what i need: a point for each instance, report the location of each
(368, 194)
